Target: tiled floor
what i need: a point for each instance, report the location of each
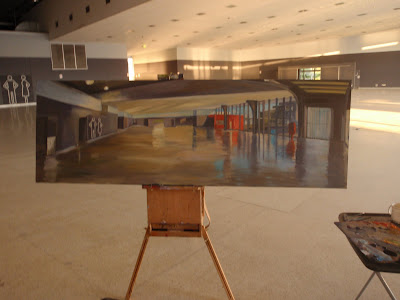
(73, 241)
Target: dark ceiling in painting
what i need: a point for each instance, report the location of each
(99, 86)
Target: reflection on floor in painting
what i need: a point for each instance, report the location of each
(202, 156)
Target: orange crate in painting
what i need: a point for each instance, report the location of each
(234, 122)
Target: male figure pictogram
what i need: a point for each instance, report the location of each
(11, 85)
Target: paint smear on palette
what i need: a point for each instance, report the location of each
(370, 250)
(378, 241)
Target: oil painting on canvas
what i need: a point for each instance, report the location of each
(187, 132)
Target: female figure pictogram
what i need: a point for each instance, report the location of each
(25, 88)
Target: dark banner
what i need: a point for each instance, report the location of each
(16, 89)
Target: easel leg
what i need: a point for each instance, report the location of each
(365, 286)
(385, 285)
(216, 263)
(138, 263)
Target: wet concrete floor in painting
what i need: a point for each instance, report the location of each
(202, 156)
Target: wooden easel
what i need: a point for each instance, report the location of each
(177, 211)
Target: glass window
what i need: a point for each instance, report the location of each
(310, 73)
(319, 123)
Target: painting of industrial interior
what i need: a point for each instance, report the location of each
(188, 132)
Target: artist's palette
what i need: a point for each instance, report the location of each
(378, 241)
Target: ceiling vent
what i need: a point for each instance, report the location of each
(68, 57)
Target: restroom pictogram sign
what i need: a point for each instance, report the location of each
(16, 89)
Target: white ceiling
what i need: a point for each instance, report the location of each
(238, 24)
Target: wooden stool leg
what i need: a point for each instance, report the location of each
(217, 264)
(138, 263)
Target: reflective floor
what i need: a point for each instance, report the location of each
(202, 156)
(17, 129)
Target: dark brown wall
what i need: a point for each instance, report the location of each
(175, 66)
(40, 69)
(207, 74)
(156, 68)
(374, 68)
(66, 117)
(378, 68)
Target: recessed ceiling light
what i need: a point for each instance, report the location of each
(303, 10)
(360, 15)
(300, 24)
(243, 22)
(144, 46)
(174, 20)
(331, 53)
(106, 88)
(328, 20)
(274, 28)
(380, 46)
(339, 3)
(152, 25)
(271, 17)
(231, 6)
(201, 13)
